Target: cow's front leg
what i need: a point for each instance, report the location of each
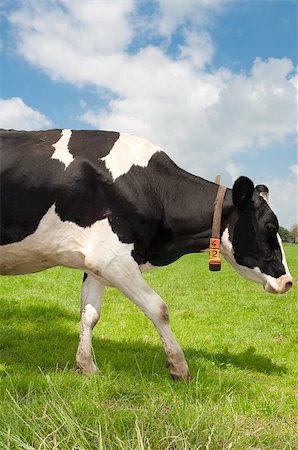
(92, 291)
(133, 285)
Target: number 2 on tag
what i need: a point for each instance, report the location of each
(214, 253)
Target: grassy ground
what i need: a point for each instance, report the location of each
(239, 341)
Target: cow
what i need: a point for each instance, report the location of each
(114, 205)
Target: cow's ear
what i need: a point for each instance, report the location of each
(263, 191)
(243, 190)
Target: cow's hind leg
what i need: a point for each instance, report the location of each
(136, 289)
(92, 291)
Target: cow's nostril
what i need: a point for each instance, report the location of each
(289, 284)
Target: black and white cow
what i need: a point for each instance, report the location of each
(113, 205)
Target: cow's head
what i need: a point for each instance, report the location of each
(251, 243)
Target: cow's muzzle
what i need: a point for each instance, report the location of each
(279, 285)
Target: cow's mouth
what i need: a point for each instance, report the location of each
(279, 285)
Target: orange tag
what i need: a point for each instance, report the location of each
(214, 243)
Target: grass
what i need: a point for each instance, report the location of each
(239, 341)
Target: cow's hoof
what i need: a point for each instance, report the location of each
(89, 369)
(181, 376)
(179, 371)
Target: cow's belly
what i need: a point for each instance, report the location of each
(53, 243)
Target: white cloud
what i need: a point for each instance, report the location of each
(202, 118)
(294, 170)
(85, 43)
(15, 114)
(294, 80)
(283, 198)
(234, 170)
(180, 12)
(198, 49)
(74, 41)
(258, 108)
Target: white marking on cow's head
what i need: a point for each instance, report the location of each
(251, 243)
(61, 149)
(129, 151)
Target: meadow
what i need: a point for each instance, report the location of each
(240, 343)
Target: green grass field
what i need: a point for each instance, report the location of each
(239, 341)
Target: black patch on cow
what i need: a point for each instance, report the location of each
(136, 214)
(186, 216)
(92, 145)
(28, 177)
(80, 198)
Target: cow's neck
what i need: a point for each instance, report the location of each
(188, 203)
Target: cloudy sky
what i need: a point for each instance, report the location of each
(212, 82)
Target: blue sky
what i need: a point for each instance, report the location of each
(214, 83)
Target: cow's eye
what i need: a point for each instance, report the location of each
(271, 228)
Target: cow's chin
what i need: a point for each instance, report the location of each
(279, 285)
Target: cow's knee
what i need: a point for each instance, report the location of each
(164, 313)
(159, 312)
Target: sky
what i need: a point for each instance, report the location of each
(214, 83)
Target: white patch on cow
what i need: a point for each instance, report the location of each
(127, 151)
(106, 256)
(53, 243)
(284, 261)
(61, 149)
